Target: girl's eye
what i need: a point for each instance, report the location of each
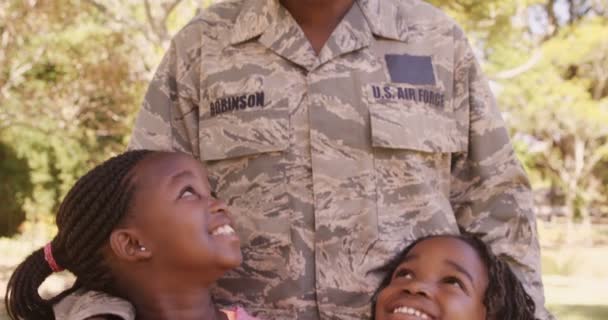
(188, 192)
(404, 273)
(453, 281)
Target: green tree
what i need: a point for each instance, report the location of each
(548, 60)
(72, 75)
(556, 100)
(15, 187)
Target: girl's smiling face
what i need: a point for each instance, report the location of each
(185, 229)
(439, 278)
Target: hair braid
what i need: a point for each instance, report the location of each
(505, 295)
(23, 287)
(91, 210)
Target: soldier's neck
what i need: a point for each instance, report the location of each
(318, 18)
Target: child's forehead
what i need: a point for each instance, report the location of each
(164, 165)
(168, 163)
(446, 253)
(444, 246)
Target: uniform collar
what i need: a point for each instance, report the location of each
(254, 18)
(386, 18)
(382, 16)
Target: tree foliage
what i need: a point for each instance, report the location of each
(72, 74)
(558, 105)
(548, 60)
(15, 187)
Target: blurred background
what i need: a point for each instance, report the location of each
(73, 74)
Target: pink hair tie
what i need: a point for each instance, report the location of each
(48, 256)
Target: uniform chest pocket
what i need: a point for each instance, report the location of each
(413, 117)
(244, 147)
(242, 117)
(413, 134)
(244, 133)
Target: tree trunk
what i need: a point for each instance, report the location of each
(573, 190)
(587, 229)
(570, 232)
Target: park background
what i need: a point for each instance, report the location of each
(73, 74)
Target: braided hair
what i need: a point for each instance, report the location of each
(89, 213)
(505, 297)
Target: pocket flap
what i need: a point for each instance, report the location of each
(410, 123)
(245, 133)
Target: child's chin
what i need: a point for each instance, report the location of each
(233, 260)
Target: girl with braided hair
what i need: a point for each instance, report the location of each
(450, 277)
(143, 227)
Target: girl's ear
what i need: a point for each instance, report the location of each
(128, 245)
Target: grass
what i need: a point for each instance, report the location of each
(577, 297)
(575, 261)
(574, 272)
(577, 312)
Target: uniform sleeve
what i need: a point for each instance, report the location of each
(490, 192)
(84, 305)
(168, 118)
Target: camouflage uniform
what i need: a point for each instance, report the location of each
(333, 163)
(83, 305)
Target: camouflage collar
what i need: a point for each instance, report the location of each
(383, 17)
(255, 17)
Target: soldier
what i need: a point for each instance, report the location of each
(339, 132)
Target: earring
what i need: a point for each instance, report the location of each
(142, 248)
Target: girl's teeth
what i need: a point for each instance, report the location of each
(411, 311)
(224, 230)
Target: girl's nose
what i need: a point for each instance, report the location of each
(217, 206)
(418, 287)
